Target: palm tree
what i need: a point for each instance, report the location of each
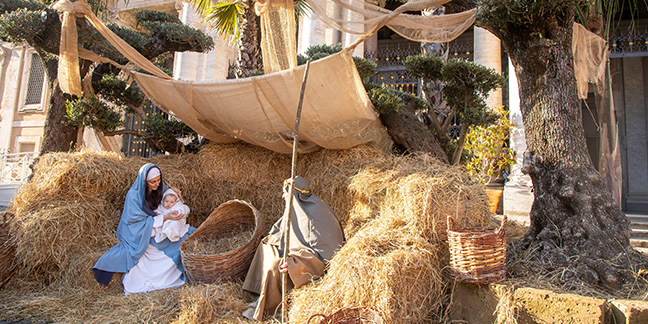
(237, 20)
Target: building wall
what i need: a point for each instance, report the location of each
(630, 86)
(21, 125)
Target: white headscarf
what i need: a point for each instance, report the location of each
(153, 173)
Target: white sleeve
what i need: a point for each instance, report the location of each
(185, 209)
(157, 224)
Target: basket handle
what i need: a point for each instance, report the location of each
(502, 226)
(313, 316)
(450, 222)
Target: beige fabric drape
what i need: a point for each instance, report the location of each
(417, 28)
(336, 111)
(68, 71)
(278, 35)
(590, 56)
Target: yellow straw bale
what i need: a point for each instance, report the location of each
(393, 209)
(391, 271)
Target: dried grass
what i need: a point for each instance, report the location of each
(231, 242)
(397, 252)
(393, 209)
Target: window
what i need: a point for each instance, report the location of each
(36, 80)
(34, 92)
(27, 148)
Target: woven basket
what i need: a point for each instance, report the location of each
(477, 254)
(7, 250)
(225, 219)
(351, 315)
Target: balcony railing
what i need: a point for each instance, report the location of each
(629, 44)
(14, 167)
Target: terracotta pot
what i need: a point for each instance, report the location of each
(495, 200)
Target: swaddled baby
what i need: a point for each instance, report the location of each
(172, 229)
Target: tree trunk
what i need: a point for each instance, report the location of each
(411, 135)
(575, 225)
(249, 59)
(59, 135)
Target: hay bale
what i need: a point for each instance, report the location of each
(393, 210)
(389, 270)
(398, 237)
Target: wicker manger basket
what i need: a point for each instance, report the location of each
(7, 250)
(350, 315)
(477, 254)
(226, 219)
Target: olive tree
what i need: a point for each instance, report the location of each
(157, 36)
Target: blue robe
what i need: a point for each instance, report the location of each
(134, 234)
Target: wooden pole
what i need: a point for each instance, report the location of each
(287, 213)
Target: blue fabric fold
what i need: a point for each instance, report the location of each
(134, 234)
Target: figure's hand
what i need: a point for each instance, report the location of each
(174, 215)
(178, 192)
(283, 267)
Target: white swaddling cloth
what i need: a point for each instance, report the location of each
(172, 229)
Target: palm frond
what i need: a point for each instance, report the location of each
(302, 9)
(202, 6)
(226, 17)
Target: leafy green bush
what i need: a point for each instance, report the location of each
(91, 111)
(486, 155)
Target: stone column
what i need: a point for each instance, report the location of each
(312, 31)
(517, 191)
(487, 52)
(13, 67)
(348, 39)
(186, 64)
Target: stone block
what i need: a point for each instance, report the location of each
(544, 306)
(473, 303)
(625, 311)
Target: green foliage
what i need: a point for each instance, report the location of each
(424, 66)
(385, 100)
(11, 5)
(257, 73)
(20, 25)
(180, 33)
(160, 127)
(465, 85)
(227, 17)
(91, 111)
(118, 91)
(486, 154)
(365, 68)
(318, 51)
(142, 16)
(512, 14)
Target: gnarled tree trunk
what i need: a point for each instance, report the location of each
(575, 224)
(59, 134)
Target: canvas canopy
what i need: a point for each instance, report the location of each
(337, 113)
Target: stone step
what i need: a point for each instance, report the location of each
(639, 233)
(639, 242)
(639, 226)
(637, 218)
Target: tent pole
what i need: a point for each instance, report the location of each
(287, 213)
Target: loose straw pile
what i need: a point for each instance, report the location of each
(393, 209)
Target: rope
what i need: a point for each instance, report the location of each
(287, 214)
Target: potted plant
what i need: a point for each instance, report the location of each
(488, 156)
